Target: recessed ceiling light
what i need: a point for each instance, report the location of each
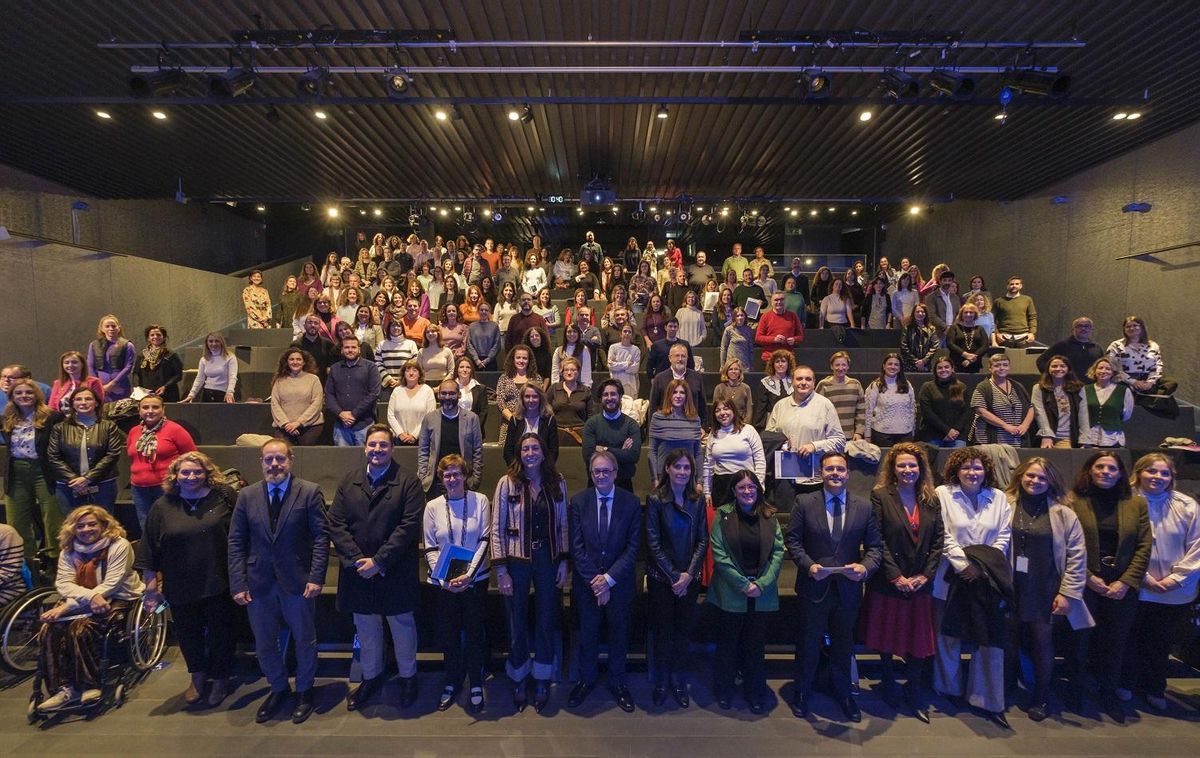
(853, 213)
(529, 209)
(914, 210)
(444, 212)
(653, 208)
(1001, 116)
(331, 212)
(813, 212)
(320, 114)
(865, 116)
(832, 209)
(440, 115)
(104, 115)
(795, 212)
(698, 208)
(1120, 116)
(160, 115)
(808, 261)
(260, 208)
(1134, 115)
(458, 209)
(433, 207)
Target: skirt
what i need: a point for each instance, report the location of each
(899, 626)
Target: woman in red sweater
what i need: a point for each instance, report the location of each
(151, 446)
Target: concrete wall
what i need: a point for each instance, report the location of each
(202, 235)
(1066, 252)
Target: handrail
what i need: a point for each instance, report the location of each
(40, 238)
(1180, 246)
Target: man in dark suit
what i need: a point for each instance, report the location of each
(278, 551)
(605, 524)
(375, 525)
(834, 539)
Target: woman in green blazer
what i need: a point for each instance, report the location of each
(747, 549)
(1116, 531)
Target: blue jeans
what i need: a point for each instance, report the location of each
(344, 436)
(541, 573)
(143, 498)
(105, 496)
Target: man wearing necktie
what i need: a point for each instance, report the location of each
(278, 551)
(835, 541)
(604, 523)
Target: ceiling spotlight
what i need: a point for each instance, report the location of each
(305, 207)
(362, 212)
(331, 212)
(441, 115)
(1120, 116)
(529, 209)
(444, 212)
(413, 219)
(914, 210)
(497, 216)
(656, 218)
(753, 211)
(865, 116)
(724, 211)
(260, 208)
(953, 84)
(514, 114)
(526, 115)
(1135, 115)
(808, 261)
(396, 81)
(899, 84)
(653, 208)
(745, 219)
(662, 112)
(158, 84)
(469, 217)
(580, 211)
(433, 207)
(831, 209)
(104, 115)
(320, 115)
(160, 115)
(816, 84)
(313, 83)
(813, 212)
(698, 208)
(795, 212)
(233, 83)
(853, 213)
(1036, 83)
(761, 221)
(377, 212)
(487, 213)
(668, 211)
(1001, 116)
(706, 219)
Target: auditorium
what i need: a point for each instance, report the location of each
(599, 379)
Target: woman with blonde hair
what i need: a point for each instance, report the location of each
(216, 379)
(26, 424)
(733, 387)
(98, 584)
(111, 357)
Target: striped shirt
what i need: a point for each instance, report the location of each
(850, 402)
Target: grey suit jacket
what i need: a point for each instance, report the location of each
(937, 310)
(429, 445)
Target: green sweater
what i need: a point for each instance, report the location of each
(612, 435)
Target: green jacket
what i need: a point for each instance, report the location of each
(727, 588)
(1134, 535)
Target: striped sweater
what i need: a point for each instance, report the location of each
(850, 402)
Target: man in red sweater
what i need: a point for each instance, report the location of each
(779, 328)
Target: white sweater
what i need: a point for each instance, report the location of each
(890, 412)
(728, 452)
(215, 373)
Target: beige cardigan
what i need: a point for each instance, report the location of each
(1070, 560)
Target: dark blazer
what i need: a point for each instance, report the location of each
(295, 554)
(617, 558)
(694, 380)
(429, 445)
(901, 554)
(41, 443)
(1134, 537)
(547, 430)
(384, 525)
(677, 537)
(808, 541)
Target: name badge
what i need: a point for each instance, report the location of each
(1023, 564)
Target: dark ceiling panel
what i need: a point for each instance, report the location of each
(400, 150)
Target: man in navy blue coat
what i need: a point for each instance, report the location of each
(278, 551)
(605, 525)
(835, 541)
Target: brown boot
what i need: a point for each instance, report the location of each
(195, 691)
(218, 692)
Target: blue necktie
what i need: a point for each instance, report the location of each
(835, 532)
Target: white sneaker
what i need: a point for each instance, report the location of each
(90, 696)
(59, 699)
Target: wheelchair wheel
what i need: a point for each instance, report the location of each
(19, 630)
(146, 635)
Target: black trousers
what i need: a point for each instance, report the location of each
(207, 632)
(307, 436)
(833, 616)
(1156, 629)
(882, 439)
(460, 623)
(672, 618)
(1105, 643)
(741, 639)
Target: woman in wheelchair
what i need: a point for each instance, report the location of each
(98, 584)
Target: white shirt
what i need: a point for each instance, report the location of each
(813, 420)
(1175, 524)
(829, 498)
(988, 524)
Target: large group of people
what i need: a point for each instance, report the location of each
(931, 565)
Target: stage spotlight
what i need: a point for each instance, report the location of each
(914, 210)
(662, 112)
(1037, 83)
(441, 115)
(761, 221)
(685, 217)
(413, 219)
(377, 212)
(497, 216)
(396, 81)
(526, 115)
(468, 217)
(320, 114)
(794, 212)
(160, 115)
(104, 115)
(724, 212)
(657, 218)
(955, 85)
(260, 208)
(899, 85)
(745, 219)
(487, 213)
(865, 116)
(158, 84)
(706, 219)
(233, 83)
(816, 84)
(313, 83)
(514, 114)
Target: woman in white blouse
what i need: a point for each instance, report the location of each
(534, 280)
(692, 328)
(409, 403)
(572, 347)
(974, 512)
(1138, 360)
(891, 412)
(624, 361)
(216, 379)
(733, 445)
(837, 308)
(1169, 586)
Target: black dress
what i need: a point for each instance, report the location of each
(1033, 539)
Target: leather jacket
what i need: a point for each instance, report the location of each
(104, 445)
(677, 537)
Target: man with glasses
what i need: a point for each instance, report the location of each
(448, 430)
(778, 329)
(10, 374)
(1078, 349)
(615, 433)
(605, 524)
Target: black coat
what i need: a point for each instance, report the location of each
(384, 525)
(978, 611)
(677, 537)
(902, 555)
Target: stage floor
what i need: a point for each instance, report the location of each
(154, 722)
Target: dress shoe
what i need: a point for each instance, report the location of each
(659, 695)
(724, 702)
(218, 692)
(475, 701)
(680, 693)
(519, 696)
(998, 718)
(408, 690)
(304, 706)
(912, 696)
(367, 690)
(799, 705)
(850, 708)
(449, 695)
(541, 695)
(624, 698)
(270, 705)
(1157, 702)
(579, 693)
(758, 706)
(195, 691)
(1037, 712)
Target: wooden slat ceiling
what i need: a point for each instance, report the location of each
(398, 150)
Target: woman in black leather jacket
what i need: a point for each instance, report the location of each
(677, 534)
(95, 483)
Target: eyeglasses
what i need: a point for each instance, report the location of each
(603, 472)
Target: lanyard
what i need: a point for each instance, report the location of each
(463, 520)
